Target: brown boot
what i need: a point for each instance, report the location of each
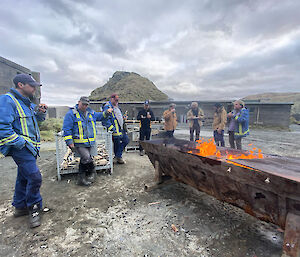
(120, 160)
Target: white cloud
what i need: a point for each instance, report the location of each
(189, 49)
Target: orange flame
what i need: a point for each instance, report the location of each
(207, 147)
(251, 155)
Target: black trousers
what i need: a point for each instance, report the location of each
(219, 138)
(85, 154)
(144, 133)
(234, 141)
(195, 128)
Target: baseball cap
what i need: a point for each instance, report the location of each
(218, 105)
(84, 100)
(25, 79)
(146, 102)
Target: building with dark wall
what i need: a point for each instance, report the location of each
(270, 114)
(58, 112)
(263, 114)
(8, 70)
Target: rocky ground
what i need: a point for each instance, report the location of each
(117, 217)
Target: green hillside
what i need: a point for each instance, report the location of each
(129, 86)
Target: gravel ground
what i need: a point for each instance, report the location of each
(116, 217)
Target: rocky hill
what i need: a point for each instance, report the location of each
(129, 86)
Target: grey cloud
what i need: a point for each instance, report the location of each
(109, 44)
(271, 19)
(68, 8)
(257, 62)
(77, 45)
(257, 73)
(82, 37)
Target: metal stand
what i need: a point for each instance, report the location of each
(102, 137)
(291, 242)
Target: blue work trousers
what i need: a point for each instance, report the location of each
(29, 179)
(120, 143)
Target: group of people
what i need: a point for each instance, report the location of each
(79, 131)
(20, 139)
(20, 136)
(238, 125)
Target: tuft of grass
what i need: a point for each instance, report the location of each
(294, 121)
(47, 136)
(49, 127)
(51, 124)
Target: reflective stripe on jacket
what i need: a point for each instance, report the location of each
(242, 123)
(18, 123)
(111, 123)
(79, 129)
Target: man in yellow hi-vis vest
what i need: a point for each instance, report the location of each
(80, 136)
(20, 138)
(115, 123)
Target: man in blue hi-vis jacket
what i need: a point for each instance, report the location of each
(20, 138)
(239, 124)
(80, 136)
(115, 123)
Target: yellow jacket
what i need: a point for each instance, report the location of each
(170, 120)
(220, 119)
(190, 116)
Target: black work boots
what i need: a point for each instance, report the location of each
(20, 212)
(87, 174)
(34, 216)
(91, 172)
(34, 213)
(82, 180)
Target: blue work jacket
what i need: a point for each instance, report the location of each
(80, 129)
(111, 123)
(18, 123)
(242, 123)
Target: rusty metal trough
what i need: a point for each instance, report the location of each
(268, 189)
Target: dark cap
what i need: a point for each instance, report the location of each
(84, 100)
(146, 102)
(218, 105)
(25, 79)
(114, 95)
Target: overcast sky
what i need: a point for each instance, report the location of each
(191, 49)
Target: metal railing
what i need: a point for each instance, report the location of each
(103, 137)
